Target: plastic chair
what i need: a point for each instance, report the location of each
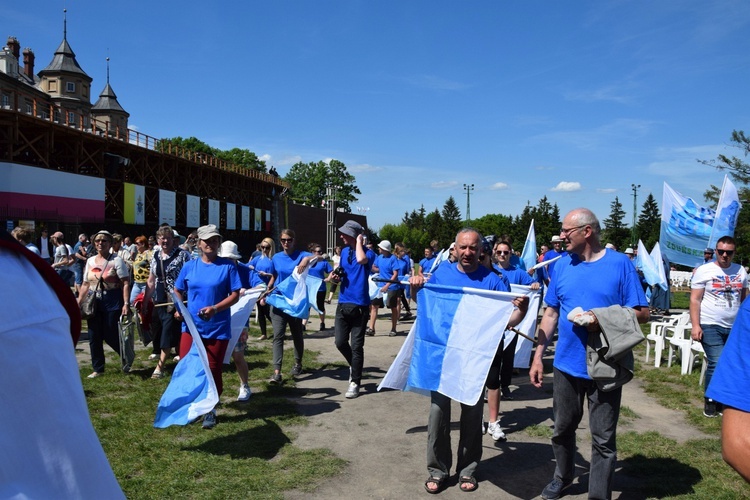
(657, 335)
(681, 340)
(696, 349)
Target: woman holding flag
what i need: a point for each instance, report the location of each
(212, 285)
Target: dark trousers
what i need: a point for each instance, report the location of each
(350, 324)
(103, 327)
(280, 320)
(604, 410)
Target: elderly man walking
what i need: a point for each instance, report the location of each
(717, 290)
(465, 272)
(589, 276)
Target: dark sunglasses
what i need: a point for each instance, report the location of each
(502, 252)
(286, 240)
(725, 252)
(318, 251)
(264, 247)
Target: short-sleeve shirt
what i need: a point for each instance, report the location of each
(142, 266)
(610, 280)
(166, 272)
(284, 264)
(262, 264)
(448, 274)
(248, 277)
(110, 290)
(354, 284)
(722, 291)
(732, 376)
(206, 285)
(319, 270)
(426, 264)
(516, 275)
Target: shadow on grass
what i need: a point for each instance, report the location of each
(263, 441)
(649, 477)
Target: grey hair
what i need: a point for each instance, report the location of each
(585, 217)
(470, 230)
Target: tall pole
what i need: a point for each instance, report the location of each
(468, 188)
(330, 218)
(635, 208)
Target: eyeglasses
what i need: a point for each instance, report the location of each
(318, 251)
(569, 230)
(725, 252)
(101, 240)
(286, 240)
(264, 247)
(502, 252)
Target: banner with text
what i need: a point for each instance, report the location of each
(193, 211)
(245, 218)
(213, 213)
(167, 207)
(231, 216)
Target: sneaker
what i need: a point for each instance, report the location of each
(393, 333)
(369, 332)
(245, 393)
(296, 370)
(406, 316)
(322, 326)
(710, 409)
(275, 379)
(353, 390)
(506, 394)
(496, 432)
(176, 358)
(554, 489)
(153, 356)
(209, 420)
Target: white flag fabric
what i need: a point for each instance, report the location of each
(658, 263)
(727, 211)
(191, 392)
(527, 326)
(528, 256)
(240, 314)
(453, 341)
(685, 228)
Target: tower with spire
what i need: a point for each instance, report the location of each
(108, 113)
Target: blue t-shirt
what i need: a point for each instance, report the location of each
(732, 376)
(548, 269)
(371, 257)
(515, 275)
(354, 284)
(426, 264)
(283, 264)
(611, 280)
(386, 266)
(248, 277)
(262, 264)
(207, 285)
(319, 270)
(447, 273)
(403, 267)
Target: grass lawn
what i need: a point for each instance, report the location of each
(247, 455)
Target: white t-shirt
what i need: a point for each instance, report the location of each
(722, 290)
(62, 252)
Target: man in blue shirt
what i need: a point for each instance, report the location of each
(556, 251)
(352, 311)
(589, 276)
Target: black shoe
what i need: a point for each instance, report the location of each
(369, 332)
(275, 379)
(505, 391)
(710, 408)
(554, 489)
(209, 420)
(296, 370)
(322, 326)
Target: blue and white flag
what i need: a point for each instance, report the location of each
(727, 211)
(527, 326)
(659, 264)
(191, 392)
(452, 343)
(528, 256)
(685, 228)
(296, 294)
(240, 314)
(646, 264)
(441, 256)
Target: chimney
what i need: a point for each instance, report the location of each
(28, 62)
(14, 46)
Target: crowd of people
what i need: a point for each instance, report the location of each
(588, 287)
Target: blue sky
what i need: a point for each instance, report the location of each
(572, 100)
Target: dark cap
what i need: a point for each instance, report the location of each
(351, 228)
(709, 250)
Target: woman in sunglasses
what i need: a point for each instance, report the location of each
(263, 265)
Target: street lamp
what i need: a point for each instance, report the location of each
(468, 188)
(635, 207)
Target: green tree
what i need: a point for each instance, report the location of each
(236, 156)
(614, 230)
(434, 226)
(649, 222)
(243, 158)
(190, 144)
(739, 171)
(308, 183)
(496, 224)
(451, 221)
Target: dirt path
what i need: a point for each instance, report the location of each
(383, 434)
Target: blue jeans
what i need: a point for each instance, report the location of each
(604, 411)
(714, 338)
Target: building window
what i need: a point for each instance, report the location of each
(53, 85)
(71, 118)
(6, 101)
(70, 86)
(29, 108)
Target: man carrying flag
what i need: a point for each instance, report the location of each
(589, 276)
(353, 309)
(465, 272)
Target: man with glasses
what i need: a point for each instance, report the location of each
(589, 276)
(717, 290)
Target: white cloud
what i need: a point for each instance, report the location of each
(498, 185)
(606, 190)
(567, 187)
(443, 184)
(364, 168)
(266, 158)
(289, 160)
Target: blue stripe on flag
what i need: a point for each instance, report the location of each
(296, 295)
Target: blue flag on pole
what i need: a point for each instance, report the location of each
(296, 294)
(528, 256)
(452, 343)
(191, 392)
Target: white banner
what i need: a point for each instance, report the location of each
(193, 212)
(258, 222)
(231, 216)
(213, 212)
(167, 207)
(245, 218)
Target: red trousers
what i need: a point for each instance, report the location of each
(215, 350)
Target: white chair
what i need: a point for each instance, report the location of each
(681, 340)
(696, 349)
(657, 333)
